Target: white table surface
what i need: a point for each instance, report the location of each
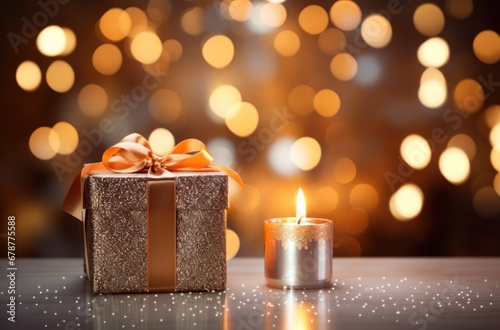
(368, 293)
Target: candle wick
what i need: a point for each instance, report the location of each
(299, 219)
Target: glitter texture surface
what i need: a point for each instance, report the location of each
(286, 230)
(116, 230)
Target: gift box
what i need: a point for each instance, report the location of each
(118, 242)
(153, 223)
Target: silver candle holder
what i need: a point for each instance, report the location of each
(298, 255)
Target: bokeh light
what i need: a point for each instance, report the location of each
(70, 41)
(279, 157)
(146, 47)
(486, 46)
(326, 102)
(165, 105)
(346, 15)
(376, 31)
(454, 165)
(358, 221)
(232, 244)
(495, 135)
(242, 119)
(492, 115)
(305, 153)
(332, 41)
(273, 14)
(363, 195)
(93, 100)
(159, 67)
(433, 90)
(486, 202)
(68, 137)
(240, 10)
(495, 157)
(287, 43)
(255, 24)
(60, 76)
(428, 19)
(51, 41)
(464, 142)
(496, 184)
(44, 143)
(173, 48)
(406, 203)
(161, 141)
(459, 9)
(344, 170)
(325, 200)
(28, 76)
(313, 19)
(344, 66)
(192, 21)
(300, 99)
(223, 98)
(218, 51)
(139, 21)
(115, 24)
(416, 151)
(469, 95)
(434, 53)
(107, 59)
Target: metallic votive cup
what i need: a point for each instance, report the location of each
(298, 256)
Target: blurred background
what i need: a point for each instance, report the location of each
(386, 113)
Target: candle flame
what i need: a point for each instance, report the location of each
(301, 206)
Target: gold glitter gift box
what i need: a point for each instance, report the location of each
(117, 238)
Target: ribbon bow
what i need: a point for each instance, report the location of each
(134, 154)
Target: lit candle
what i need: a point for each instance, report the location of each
(298, 250)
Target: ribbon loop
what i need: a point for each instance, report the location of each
(134, 154)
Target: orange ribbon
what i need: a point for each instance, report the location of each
(134, 154)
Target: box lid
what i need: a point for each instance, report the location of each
(195, 190)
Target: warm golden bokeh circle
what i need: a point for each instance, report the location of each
(242, 119)
(68, 137)
(287, 43)
(344, 66)
(326, 103)
(469, 95)
(486, 46)
(429, 19)
(60, 76)
(93, 100)
(161, 141)
(218, 51)
(346, 15)
(28, 76)
(313, 19)
(376, 31)
(107, 59)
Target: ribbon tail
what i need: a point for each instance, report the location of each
(73, 203)
(232, 174)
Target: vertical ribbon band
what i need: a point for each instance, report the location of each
(161, 231)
